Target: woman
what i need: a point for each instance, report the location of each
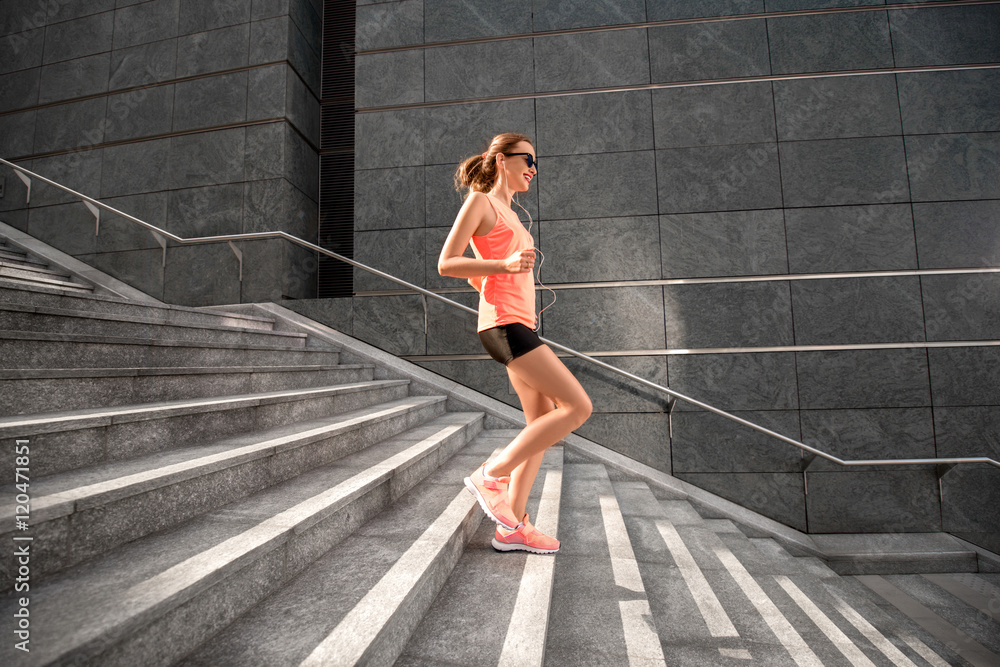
(553, 401)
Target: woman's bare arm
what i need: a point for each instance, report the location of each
(477, 217)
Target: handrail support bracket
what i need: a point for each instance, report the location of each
(27, 182)
(163, 244)
(943, 469)
(239, 256)
(97, 215)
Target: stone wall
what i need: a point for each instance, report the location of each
(797, 175)
(198, 116)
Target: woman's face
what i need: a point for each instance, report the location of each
(516, 170)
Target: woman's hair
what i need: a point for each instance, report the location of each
(480, 173)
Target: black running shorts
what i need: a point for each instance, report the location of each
(507, 342)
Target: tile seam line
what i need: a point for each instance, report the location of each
(115, 9)
(687, 21)
(684, 84)
(166, 135)
(147, 86)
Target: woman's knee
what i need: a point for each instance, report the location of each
(582, 409)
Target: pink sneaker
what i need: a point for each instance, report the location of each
(525, 538)
(491, 492)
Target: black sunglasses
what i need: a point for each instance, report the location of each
(528, 157)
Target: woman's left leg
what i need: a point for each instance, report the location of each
(534, 404)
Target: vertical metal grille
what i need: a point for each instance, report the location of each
(336, 162)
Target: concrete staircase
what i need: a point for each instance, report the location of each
(20, 267)
(218, 488)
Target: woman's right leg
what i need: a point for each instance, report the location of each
(542, 371)
(534, 405)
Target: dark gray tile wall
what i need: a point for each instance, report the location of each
(829, 42)
(147, 104)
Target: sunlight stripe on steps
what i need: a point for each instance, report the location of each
(188, 573)
(823, 622)
(641, 640)
(977, 599)
(711, 609)
(524, 644)
(306, 437)
(357, 631)
(961, 643)
(872, 633)
(623, 564)
(923, 650)
(782, 629)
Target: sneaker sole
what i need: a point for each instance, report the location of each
(486, 508)
(503, 546)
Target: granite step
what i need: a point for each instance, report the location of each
(889, 553)
(98, 508)
(32, 272)
(68, 440)
(397, 563)
(28, 391)
(719, 596)
(155, 599)
(15, 256)
(19, 349)
(841, 627)
(511, 630)
(14, 317)
(600, 611)
(950, 616)
(797, 564)
(29, 297)
(53, 285)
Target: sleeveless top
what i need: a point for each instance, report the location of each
(508, 297)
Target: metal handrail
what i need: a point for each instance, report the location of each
(160, 234)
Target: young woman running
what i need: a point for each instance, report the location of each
(553, 401)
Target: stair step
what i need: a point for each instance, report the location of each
(75, 439)
(397, 563)
(39, 297)
(10, 255)
(89, 323)
(156, 598)
(795, 564)
(599, 611)
(881, 634)
(44, 284)
(31, 272)
(458, 628)
(29, 391)
(101, 507)
(889, 553)
(45, 350)
(941, 614)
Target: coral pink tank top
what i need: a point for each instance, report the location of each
(508, 297)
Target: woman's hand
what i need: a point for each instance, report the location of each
(521, 261)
